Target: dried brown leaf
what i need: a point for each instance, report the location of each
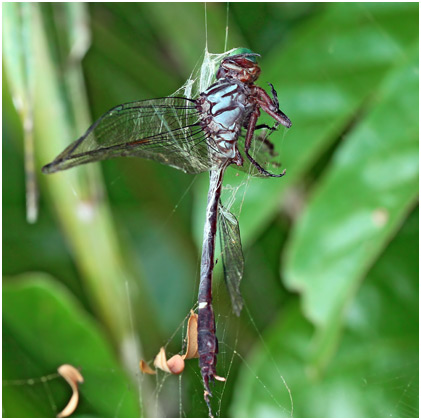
(145, 368)
(161, 361)
(192, 346)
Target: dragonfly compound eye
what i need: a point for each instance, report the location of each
(245, 52)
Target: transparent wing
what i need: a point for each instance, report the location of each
(166, 130)
(232, 256)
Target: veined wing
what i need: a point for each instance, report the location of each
(166, 130)
(232, 256)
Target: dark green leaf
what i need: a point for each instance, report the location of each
(374, 372)
(359, 204)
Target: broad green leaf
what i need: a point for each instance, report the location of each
(375, 370)
(358, 205)
(44, 327)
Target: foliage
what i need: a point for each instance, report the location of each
(110, 269)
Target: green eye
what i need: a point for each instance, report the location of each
(238, 51)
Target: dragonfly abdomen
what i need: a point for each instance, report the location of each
(223, 108)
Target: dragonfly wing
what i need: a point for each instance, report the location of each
(166, 130)
(232, 256)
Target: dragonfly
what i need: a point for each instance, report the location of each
(207, 133)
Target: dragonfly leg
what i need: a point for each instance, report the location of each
(271, 106)
(260, 126)
(238, 159)
(249, 136)
(275, 96)
(265, 138)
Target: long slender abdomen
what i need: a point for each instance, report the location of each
(207, 341)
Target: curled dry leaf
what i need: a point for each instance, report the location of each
(175, 364)
(161, 361)
(72, 377)
(145, 368)
(192, 347)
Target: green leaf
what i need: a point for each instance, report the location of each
(359, 204)
(375, 370)
(44, 327)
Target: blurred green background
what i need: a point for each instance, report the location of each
(109, 270)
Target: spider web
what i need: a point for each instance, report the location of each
(169, 391)
(227, 326)
(229, 331)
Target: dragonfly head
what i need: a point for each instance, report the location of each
(241, 65)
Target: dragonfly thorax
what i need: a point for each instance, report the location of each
(224, 108)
